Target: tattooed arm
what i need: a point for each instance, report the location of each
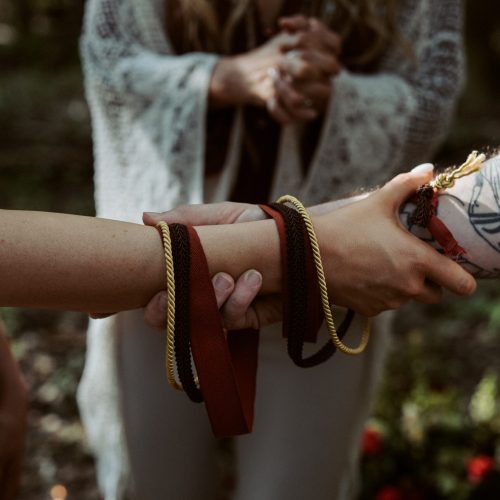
(471, 211)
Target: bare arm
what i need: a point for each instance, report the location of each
(81, 263)
(88, 264)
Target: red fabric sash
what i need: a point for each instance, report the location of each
(226, 369)
(439, 230)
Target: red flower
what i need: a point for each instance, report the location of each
(389, 493)
(372, 442)
(478, 467)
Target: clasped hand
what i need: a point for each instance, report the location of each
(355, 239)
(291, 74)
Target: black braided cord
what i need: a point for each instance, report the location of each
(181, 255)
(298, 292)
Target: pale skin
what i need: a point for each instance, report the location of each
(471, 207)
(87, 264)
(82, 263)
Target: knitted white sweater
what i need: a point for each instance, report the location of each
(148, 113)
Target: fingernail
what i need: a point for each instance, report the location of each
(222, 283)
(163, 302)
(423, 168)
(253, 278)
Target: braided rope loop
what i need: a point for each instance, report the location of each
(169, 266)
(325, 301)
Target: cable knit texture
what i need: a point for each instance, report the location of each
(148, 113)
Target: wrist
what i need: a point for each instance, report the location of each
(228, 85)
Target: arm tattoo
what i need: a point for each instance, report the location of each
(486, 194)
(482, 213)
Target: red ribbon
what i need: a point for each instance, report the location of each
(440, 232)
(226, 369)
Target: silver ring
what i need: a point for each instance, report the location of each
(272, 73)
(293, 53)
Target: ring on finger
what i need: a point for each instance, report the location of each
(291, 54)
(273, 73)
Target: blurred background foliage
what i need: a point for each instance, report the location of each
(435, 431)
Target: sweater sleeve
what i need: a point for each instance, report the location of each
(125, 50)
(379, 124)
(148, 108)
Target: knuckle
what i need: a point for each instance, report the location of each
(302, 38)
(238, 303)
(295, 99)
(304, 71)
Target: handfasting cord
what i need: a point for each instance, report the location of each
(169, 266)
(182, 262)
(302, 310)
(426, 200)
(322, 283)
(226, 367)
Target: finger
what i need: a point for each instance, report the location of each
(200, 215)
(447, 273)
(100, 315)
(237, 312)
(155, 313)
(277, 111)
(401, 187)
(223, 285)
(319, 92)
(297, 68)
(431, 293)
(325, 62)
(330, 40)
(309, 64)
(294, 23)
(294, 102)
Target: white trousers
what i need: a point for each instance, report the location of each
(307, 428)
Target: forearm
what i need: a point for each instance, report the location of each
(83, 263)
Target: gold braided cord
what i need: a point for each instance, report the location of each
(447, 179)
(325, 301)
(169, 266)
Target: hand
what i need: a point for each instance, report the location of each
(303, 79)
(237, 301)
(297, 100)
(244, 79)
(373, 239)
(12, 421)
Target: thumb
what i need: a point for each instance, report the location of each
(399, 189)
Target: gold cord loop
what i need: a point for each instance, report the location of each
(169, 266)
(325, 301)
